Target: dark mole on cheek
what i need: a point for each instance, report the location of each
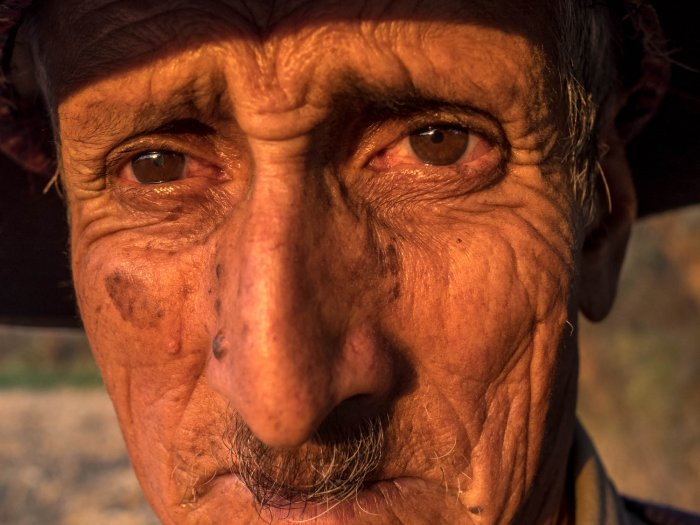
(217, 346)
(459, 241)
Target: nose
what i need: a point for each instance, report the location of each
(296, 338)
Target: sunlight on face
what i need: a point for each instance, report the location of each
(320, 243)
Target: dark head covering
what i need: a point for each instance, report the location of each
(35, 283)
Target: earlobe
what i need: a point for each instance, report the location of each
(606, 242)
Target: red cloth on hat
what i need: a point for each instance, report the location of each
(24, 133)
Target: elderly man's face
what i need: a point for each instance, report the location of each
(324, 254)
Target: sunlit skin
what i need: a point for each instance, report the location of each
(340, 269)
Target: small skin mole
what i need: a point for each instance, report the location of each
(459, 241)
(475, 510)
(217, 346)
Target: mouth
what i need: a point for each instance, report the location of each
(372, 498)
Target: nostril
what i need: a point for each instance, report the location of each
(355, 412)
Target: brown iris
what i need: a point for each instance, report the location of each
(156, 167)
(440, 146)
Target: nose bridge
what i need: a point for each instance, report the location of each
(274, 297)
(277, 367)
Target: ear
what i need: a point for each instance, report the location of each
(644, 79)
(606, 241)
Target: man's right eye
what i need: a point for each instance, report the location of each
(157, 167)
(163, 166)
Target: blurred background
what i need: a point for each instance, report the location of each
(62, 460)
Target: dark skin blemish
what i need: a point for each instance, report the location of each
(217, 346)
(459, 241)
(219, 271)
(131, 299)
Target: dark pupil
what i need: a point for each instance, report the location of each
(156, 167)
(440, 146)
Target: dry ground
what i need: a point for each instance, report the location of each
(62, 461)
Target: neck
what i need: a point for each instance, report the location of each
(551, 500)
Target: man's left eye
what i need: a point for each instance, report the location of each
(439, 146)
(434, 146)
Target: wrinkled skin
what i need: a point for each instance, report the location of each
(339, 273)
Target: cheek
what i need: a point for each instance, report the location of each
(143, 311)
(490, 297)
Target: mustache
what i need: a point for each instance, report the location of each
(332, 467)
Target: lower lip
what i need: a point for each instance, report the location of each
(375, 499)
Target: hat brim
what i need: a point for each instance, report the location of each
(665, 158)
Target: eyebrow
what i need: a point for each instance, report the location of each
(378, 103)
(196, 107)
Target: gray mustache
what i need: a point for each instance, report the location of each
(329, 469)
